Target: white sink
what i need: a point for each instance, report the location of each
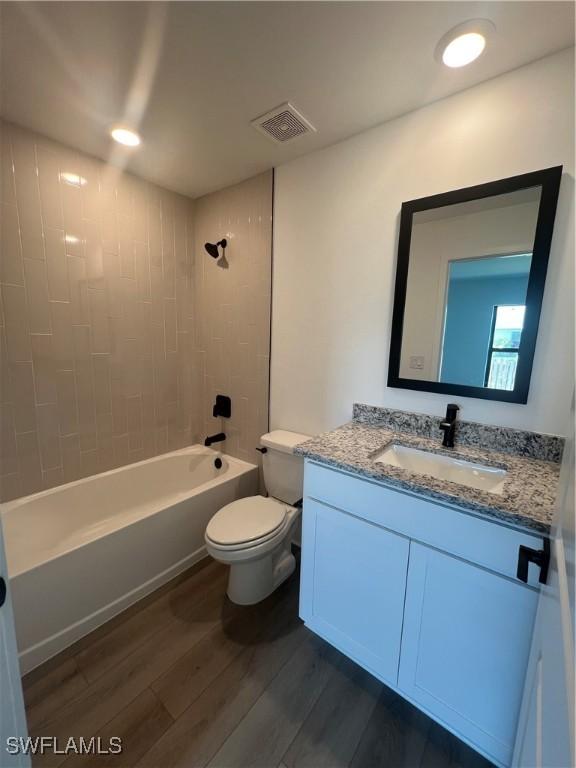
(442, 467)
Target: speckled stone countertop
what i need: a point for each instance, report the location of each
(530, 487)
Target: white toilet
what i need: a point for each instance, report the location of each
(254, 535)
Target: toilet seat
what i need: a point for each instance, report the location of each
(247, 523)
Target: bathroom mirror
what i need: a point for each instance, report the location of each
(469, 283)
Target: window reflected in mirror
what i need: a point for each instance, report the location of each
(483, 320)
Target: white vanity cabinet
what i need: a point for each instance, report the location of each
(425, 597)
(357, 585)
(465, 646)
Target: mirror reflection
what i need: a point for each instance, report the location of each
(468, 273)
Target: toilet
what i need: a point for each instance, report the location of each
(254, 535)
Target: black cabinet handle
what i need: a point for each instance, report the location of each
(540, 557)
(3, 591)
(262, 450)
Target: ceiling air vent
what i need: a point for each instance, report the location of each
(284, 123)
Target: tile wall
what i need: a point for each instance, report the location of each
(98, 333)
(232, 298)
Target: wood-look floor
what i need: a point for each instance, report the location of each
(188, 679)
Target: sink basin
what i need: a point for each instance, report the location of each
(442, 467)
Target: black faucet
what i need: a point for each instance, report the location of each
(448, 426)
(215, 438)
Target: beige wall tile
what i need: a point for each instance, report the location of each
(134, 422)
(4, 367)
(170, 325)
(81, 342)
(140, 210)
(52, 477)
(29, 461)
(16, 323)
(111, 268)
(142, 271)
(131, 325)
(94, 254)
(7, 186)
(21, 395)
(44, 368)
(49, 185)
(67, 402)
(126, 247)
(119, 422)
(109, 228)
(105, 442)
(109, 176)
(157, 289)
(99, 337)
(56, 265)
(72, 211)
(62, 343)
(27, 193)
(11, 486)
(90, 463)
(102, 392)
(118, 328)
(125, 197)
(90, 189)
(167, 226)
(39, 317)
(78, 290)
(154, 217)
(86, 404)
(48, 438)
(11, 267)
(8, 457)
(121, 450)
(70, 446)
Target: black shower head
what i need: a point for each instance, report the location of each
(212, 248)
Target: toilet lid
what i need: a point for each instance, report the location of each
(246, 520)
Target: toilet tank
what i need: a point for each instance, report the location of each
(283, 471)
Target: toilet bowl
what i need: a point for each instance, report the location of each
(254, 535)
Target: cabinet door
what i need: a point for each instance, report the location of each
(465, 646)
(353, 586)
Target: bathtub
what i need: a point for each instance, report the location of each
(80, 553)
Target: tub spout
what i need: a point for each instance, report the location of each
(215, 438)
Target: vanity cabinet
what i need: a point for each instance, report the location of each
(465, 647)
(425, 597)
(357, 586)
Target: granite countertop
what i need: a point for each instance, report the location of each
(530, 487)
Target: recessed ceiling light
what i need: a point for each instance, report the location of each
(464, 49)
(465, 43)
(125, 136)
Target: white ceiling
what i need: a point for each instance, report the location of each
(194, 74)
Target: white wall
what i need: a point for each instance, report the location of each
(335, 239)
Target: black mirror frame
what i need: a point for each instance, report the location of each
(549, 180)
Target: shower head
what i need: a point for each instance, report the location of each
(212, 248)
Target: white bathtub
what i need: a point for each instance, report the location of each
(81, 553)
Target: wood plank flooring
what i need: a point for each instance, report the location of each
(187, 679)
